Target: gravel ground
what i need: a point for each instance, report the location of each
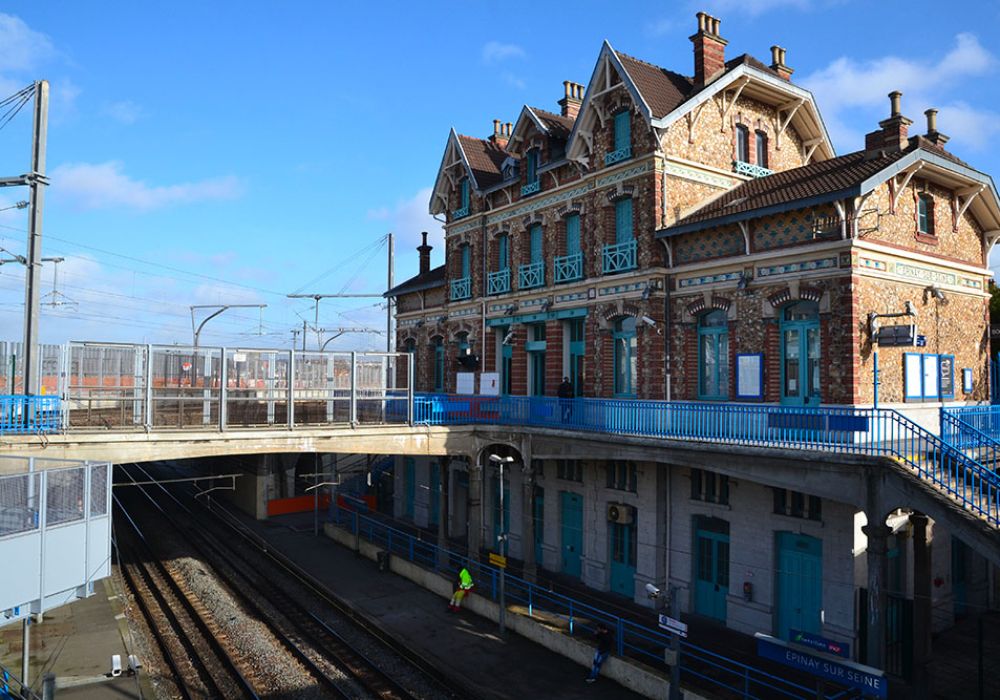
(154, 667)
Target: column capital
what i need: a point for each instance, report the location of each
(876, 530)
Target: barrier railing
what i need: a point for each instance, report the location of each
(20, 414)
(642, 642)
(870, 431)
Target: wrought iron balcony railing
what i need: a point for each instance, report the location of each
(749, 169)
(460, 213)
(623, 153)
(498, 282)
(531, 275)
(531, 188)
(568, 268)
(461, 288)
(619, 257)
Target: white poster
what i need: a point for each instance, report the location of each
(465, 383)
(489, 383)
(913, 376)
(749, 372)
(930, 376)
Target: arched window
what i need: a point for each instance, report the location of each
(625, 358)
(410, 345)
(742, 143)
(761, 143)
(713, 356)
(800, 354)
(925, 214)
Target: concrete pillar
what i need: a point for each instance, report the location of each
(444, 481)
(878, 571)
(921, 607)
(475, 507)
(528, 513)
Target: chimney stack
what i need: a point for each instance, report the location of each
(425, 255)
(501, 133)
(894, 132)
(933, 135)
(709, 50)
(570, 103)
(778, 63)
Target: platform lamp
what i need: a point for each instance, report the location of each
(502, 541)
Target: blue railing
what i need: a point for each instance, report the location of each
(869, 431)
(741, 167)
(531, 188)
(531, 275)
(461, 288)
(498, 282)
(568, 268)
(632, 639)
(30, 414)
(619, 257)
(616, 156)
(460, 213)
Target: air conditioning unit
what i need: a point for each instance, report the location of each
(620, 513)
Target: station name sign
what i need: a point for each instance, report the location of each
(895, 336)
(869, 681)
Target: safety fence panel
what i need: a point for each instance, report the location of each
(104, 385)
(12, 368)
(322, 388)
(186, 387)
(19, 503)
(257, 388)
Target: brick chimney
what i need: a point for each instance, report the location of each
(570, 104)
(933, 135)
(893, 134)
(709, 50)
(778, 63)
(501, 133)
(425, 255)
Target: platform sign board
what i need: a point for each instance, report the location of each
(869, 681)
(750, 375)
(498, 560)
(465, 382)
(895, 336)
(55, 532)
(673, 626)
(489, 384)
(818, 643)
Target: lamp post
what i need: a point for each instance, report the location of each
(502, 542)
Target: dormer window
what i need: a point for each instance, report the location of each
(510, 169)
(623, 139)
(925, 214)
(463, 205)
(557, 150)
(531, 165)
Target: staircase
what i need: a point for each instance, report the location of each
(12, 688)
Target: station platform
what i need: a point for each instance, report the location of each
(76, 642)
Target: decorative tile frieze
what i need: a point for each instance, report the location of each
(459, 313)
(925, 274)
(709, 279)
(621, 288)
(696, 175)
(790, 268)
(572, 296)
(971, 283)
(621, 175)
(870, 264)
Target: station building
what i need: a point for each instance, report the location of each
(695, 238)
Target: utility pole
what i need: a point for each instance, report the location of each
(33, 275)
(219, 308)
(388, 301)
(316, 298)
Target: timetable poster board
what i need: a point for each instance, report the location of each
(750, 375)
(489, 383)
(465, 383)
(946, 375)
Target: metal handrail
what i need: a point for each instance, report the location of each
(531, 275)
(619, 257)
(498, 282)
(568, 268)
(22, 414)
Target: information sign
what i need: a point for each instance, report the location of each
(465, 382)
(498, 560)
(673, 626)
(750, 375)
(870, 681)
(489, 384)
(890, 336)
(814, 641)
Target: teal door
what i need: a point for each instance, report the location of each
(800, 350)
(571, 530)
(435, 494)
(537, 373)
(622, 538)
(538, 513)
(501, 521)
(410, 477)
(711, 580)
(576, 354)
(799, 594)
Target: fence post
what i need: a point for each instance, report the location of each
(621, 637)
(353, 413)
(410, 375)
(223, 388)
(149, 387)
(291, 389)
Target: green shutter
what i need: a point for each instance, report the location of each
(465, 192)
(465, 261)
(572, 234)
(623, 130)
(536, 243)
(623, 221)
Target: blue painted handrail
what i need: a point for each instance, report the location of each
(531, 275)
(750, 169)
(638, 641)
(461, 288)
(877, 432)
(617, 156)
(20, 414)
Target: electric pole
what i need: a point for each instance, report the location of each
(219, 308)
(388, 300)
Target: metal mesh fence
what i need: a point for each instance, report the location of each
(105, 385)
(18, 503)
(12, 368)
(99, 489)
(64, 500)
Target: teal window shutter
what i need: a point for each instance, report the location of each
(465, 261)
(623, 221)
(572, 234)
(532, 166)
(504, 252)
(623, 130)
(465, 192)
(536, 243)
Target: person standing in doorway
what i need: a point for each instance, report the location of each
(565, 394)
(604, 642)
(463, 588)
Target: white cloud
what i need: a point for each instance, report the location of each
(407, 218)
(495, 52)
(660, 27)
(123, 111)
(101, 185)
(21, 48)
(756, 7)
(846, 86)
(513, 80)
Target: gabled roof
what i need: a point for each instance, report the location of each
(663, 90)
(478, 159)
(485, 159)
(557, 125)
(825, 181)
(428, 280)
(547, 123)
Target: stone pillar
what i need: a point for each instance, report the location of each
(444, 517)
(528, 514)
(475, 507)
(878, 571)
(921, 607)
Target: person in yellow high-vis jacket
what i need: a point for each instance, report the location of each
(465, 585)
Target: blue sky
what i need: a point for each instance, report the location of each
(234, 152)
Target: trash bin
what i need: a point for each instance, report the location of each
(382, 557)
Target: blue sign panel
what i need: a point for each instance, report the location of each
(814, 641)
(869, 681)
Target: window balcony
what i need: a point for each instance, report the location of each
(623, 153)
(619, 257)
(461, 288)
(749, 169)
(531, 188)
(568, 268)
(498, 282)
(531, 276)
(460, 213)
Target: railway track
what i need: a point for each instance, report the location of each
(250, 574)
